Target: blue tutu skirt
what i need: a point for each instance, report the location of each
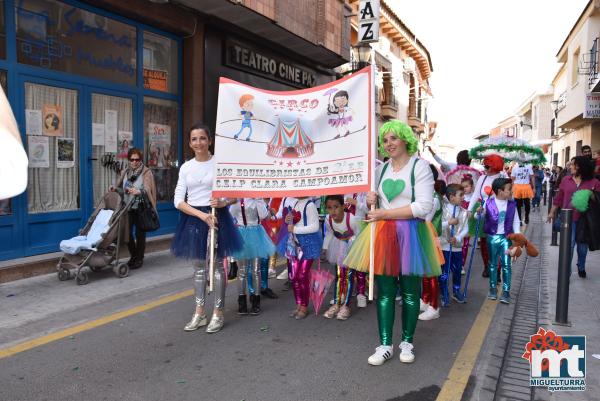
(191, 236)
(257, 243)
(311, 245)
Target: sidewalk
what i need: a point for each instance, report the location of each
(27, 301)
(500, 372)
(584, 315)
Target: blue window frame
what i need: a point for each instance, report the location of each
(26, 234)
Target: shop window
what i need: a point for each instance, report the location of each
(109, 149)
(5, 204)
(160, 63)
(161, 144)
(53, 142)
(2, 31)
(58, 36)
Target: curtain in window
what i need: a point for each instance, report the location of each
(104, 174)
(54, 189)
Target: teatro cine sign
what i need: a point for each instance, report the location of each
(261, 63)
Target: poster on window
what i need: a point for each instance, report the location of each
(97, 134)
(38, 152)
(110, 131)
(160, 154)
(52, 124)
(65, 152)
(33, 122)
(315, 141)
(125, 143)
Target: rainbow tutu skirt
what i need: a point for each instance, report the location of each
(402, 247)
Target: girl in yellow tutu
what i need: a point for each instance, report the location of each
(405, 245)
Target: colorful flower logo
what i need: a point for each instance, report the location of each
(544, 340)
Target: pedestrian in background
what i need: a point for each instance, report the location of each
(523, 189)
(538, 179)
(582, 177)
(135, 182)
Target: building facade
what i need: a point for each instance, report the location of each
(403, 70)
(89, 79)
(575, 82)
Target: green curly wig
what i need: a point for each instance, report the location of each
(581, 200)
(402, 132)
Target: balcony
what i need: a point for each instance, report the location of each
(589, 67)
(389, 106)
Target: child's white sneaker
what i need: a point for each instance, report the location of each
(430, 313)
(382, 354)
(422, 305)
(283, 275)
(361, 301)
(406, 352)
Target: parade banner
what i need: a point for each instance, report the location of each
(307, 142)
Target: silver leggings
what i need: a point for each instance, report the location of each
(243, 268)
(200, 276)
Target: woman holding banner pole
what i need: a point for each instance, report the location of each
(193, 199)
(405, 245)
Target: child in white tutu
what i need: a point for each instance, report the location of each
(341, 228)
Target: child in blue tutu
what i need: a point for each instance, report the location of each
(257, 245)
(301, 242)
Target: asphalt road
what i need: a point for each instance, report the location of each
(148, 356)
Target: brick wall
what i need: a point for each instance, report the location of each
(318, 21)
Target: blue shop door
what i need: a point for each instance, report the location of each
(54, 205)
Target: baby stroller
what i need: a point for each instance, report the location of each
(97, 244)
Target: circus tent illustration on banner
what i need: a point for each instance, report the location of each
(290, 141)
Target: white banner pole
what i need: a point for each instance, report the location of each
(373, 134)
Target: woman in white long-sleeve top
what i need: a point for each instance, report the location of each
(405, 246)
(193, 198)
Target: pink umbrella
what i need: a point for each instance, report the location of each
(320, 281)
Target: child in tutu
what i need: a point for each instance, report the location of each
(301, 241)
(341, 228)
(257, 245)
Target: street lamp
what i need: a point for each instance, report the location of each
(362, 54)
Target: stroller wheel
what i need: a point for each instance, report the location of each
(121, 270)
(64, 274)
(82, 278)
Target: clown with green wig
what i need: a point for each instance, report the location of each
(405, 245)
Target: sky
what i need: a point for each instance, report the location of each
(488, 56)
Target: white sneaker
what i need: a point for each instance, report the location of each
(332, 302)
(361, 301)
(272, 273)
(382, 354)
(422, 306)
(406, 352)
(430, 314)
(463, 272)
(283, 275)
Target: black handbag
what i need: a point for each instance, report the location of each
(588, 227)
(146, 215)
